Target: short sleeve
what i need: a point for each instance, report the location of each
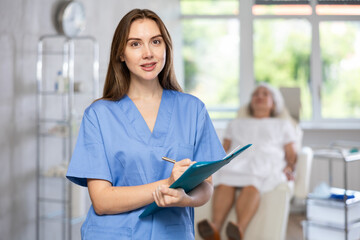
(207, 144)
(89, 157)
(289, 133)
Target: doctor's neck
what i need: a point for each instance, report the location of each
(145, 89)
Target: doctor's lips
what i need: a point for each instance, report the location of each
(168, 159)
(148, 66)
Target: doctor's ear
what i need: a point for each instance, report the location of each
(122, 58)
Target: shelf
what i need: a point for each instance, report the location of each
(353, 197)
(53, 177)
(57, 171)
(52, 93)
(62, 53)
(78, 220)
(54, 215)
(59, 116)
(52, 52)
(54, 120)
(55, 135)
(53, 200)
(333, 212)
(59, 216)
(339, 227)
(332, 202)
(337, 155)
(56, 129)
(55, 93)
(316, 230)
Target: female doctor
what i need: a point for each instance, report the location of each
(142, 116)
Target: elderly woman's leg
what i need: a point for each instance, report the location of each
(246, 206)
(223, 199)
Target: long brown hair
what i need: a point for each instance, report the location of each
(117, 80)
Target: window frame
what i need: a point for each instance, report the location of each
(246, 69)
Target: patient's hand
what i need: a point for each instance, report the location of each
(289, 173)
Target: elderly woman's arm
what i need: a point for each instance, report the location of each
(290, 157)
(226, 144)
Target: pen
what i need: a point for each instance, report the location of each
(168, 159)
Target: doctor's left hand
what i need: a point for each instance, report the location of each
(169, 197)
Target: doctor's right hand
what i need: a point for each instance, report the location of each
(178, 169)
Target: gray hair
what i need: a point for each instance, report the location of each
(276, 96)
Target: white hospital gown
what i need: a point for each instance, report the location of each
(263, 163)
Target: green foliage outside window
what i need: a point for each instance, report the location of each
(282, 56)
(211, 60)
(340, 54)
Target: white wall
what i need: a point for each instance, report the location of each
(22, 23)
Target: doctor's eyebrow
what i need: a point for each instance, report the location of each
(130, 39)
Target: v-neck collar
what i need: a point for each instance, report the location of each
(157, 136)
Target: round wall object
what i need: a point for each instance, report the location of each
(70, 18)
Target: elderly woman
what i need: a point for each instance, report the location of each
(269, 162)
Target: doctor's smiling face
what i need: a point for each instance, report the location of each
(145, 50)
(141, 50)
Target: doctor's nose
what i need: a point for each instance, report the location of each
(147, 52)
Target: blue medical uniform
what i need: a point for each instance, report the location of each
(115, 144)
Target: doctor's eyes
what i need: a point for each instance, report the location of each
(135, 44)
(156, 41)
(138, 44)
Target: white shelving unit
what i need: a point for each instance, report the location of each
(336, 217)
(61, 205)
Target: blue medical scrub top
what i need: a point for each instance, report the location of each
(115, 144)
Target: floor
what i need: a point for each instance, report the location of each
(294, 229)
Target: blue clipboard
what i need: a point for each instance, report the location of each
(195, 175)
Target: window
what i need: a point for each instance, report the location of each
(229, 45)
(209, 7)
(340, 55)
(282, 56)
(274, 2)
(282, 10)
(211, 60)
(211, 54)
(338, 10)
